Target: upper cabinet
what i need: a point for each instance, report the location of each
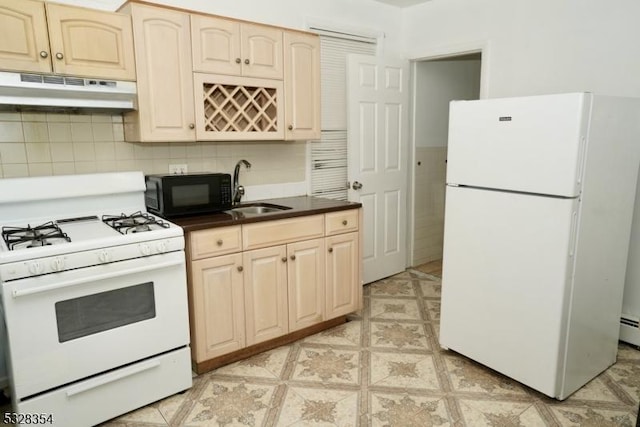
(165, 79)
(207, 78)
(302, 85)
(66, 40)
(24, 42)
(223, 46)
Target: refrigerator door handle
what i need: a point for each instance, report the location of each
(574, 234)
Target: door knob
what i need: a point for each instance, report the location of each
(59, 55)
(356, 185)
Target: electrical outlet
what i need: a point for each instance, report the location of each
(177, 169)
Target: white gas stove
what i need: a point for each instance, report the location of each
(93, 297)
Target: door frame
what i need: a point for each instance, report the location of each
(442, 52)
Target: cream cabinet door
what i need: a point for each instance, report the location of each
(342, 276)
(302, 85)
(91, 43)
(165, 79)
(24, 42)
(261, 51)
(216, 45)
(265, 288)
(305, 275)
(217, 306)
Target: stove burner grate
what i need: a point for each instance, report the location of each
(33, 237)
(135, 223)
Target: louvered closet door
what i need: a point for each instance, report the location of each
(329, 154)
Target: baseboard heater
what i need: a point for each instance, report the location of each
(630, 329)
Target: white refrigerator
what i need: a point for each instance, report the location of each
(539, 202)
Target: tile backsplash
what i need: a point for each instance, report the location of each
(40, 144)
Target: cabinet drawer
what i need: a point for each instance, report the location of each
(269, 233)
(341, 222)
(215, 241)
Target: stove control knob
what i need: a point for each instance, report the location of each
(57, 264)
(162, 247)
(145, 249)
(104, 256)
(35, 267)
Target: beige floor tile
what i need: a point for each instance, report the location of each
(346, 334)
(431, 288)
(327, 366)
(229, 403)
(468, 376)
(269, 364)
(489, 413)
(398, 309)
(398, 335)
(408, 410)
(596, 390)
(597, 417)
(403, 371)
(627, 376)
(319, 407)
(393, 288)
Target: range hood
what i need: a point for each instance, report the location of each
(63, 92)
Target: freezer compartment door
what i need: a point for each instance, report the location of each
(533, 144)
(506, 269)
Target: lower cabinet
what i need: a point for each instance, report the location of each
(216, 306)
(342, 268)
(245, 298)
(265, 294)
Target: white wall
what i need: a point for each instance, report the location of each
(365, 15)
(437, 83)
(536, 47)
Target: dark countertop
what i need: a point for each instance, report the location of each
(300, 206)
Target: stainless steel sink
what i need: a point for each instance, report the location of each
(258, 208)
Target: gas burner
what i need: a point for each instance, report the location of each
(46, 234)
(138, 222)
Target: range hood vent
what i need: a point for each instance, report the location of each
(18, 90)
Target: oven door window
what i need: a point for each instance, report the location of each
(87, 315)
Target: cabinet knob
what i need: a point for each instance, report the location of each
(290, 127)
(192, 126)
(59, 55)
(44, 54)
(284, 259)
(330, 250)
(219, 242)
(238, 60)
(240, 268)
(344, 222)
(293, 257)
(246, 61)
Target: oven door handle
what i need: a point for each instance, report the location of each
(109, 378)
(58, 285)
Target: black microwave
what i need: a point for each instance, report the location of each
(188, 194)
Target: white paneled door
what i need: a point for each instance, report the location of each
(377, 109)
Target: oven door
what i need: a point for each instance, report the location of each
(67, 326)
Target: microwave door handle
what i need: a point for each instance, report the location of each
(58, 285)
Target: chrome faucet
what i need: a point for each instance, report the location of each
(238, 190)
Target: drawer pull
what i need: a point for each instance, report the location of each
(284, 259)
(344, 222)
(44, 54)
(293, 257)
(330, 250)
(59, 55)
(240, 268)
(219, 242)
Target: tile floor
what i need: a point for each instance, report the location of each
(385, 368)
